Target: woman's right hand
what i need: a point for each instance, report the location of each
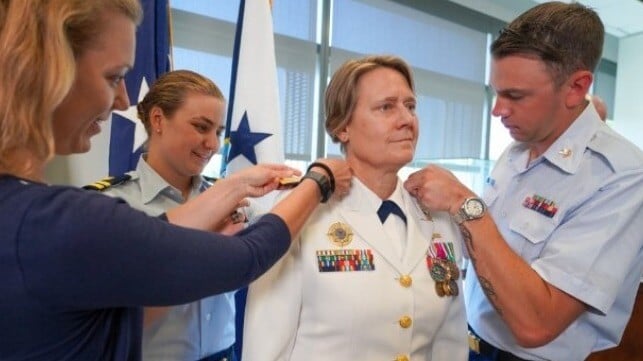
(261, 179)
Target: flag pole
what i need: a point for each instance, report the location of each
(233, 82)
(170, 36)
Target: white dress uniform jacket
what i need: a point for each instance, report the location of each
(296, 312)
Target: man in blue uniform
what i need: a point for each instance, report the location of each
(557, 257)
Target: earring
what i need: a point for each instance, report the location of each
(158, 130)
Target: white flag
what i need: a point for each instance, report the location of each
(253, 127)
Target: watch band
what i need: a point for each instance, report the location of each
(459, 218)
(327, 169)
(322, 182)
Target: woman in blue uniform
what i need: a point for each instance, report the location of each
(372, 276)
(183, 115)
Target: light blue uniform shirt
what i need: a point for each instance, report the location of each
(194, 330)
(591, 248)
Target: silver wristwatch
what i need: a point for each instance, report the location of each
(472, 208)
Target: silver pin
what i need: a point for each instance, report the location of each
(565, 152)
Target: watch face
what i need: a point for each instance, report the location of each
(474, 207)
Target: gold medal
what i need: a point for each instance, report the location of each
(453, 287)
(439, 288)
(446, 286)
(340, 234)
(454, 271)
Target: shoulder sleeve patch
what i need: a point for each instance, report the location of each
(105, 183)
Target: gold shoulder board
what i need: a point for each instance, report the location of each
(105, 183)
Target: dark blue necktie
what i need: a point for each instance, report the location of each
(389, 207)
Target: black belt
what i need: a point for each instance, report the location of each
(480, 346)
(225, 355)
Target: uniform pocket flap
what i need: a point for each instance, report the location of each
(532, 225)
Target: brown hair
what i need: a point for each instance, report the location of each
(341, 94)
(40, 41)
(566, 37)
(169, 92)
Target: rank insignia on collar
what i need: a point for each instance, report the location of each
(565, 152)
(340, 234)
(541, 205)
(425, 211)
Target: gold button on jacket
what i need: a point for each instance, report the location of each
(406, 281)
(405, 321)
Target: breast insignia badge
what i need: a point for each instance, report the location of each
(340, 234)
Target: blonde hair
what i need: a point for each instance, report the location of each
(40, 42)
(341, 94)
(169, 92)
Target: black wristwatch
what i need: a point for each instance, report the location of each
(322, 182)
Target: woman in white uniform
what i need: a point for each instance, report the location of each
(360, 283)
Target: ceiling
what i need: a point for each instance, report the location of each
(622, 18)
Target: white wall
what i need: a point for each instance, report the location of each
(628, 104)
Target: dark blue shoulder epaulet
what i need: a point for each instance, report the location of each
(105, 183)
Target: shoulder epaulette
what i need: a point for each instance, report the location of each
(210, 179)
(207, 182)
(105, 183)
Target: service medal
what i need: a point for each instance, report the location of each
(446, 287)
(454, 271)
(453, 288)
(439, 289)
(340, 234)
(439, 271)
